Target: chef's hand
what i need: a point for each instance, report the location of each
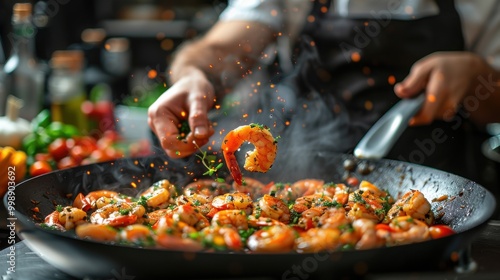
(446, 78)
(190, 98)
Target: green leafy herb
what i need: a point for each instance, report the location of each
(124, 211)
(245, 233)
(209, 162)
(184, 130)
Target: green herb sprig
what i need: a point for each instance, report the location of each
(209, 162)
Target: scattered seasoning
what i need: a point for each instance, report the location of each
(441, 198)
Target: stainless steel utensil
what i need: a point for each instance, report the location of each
(379, 140)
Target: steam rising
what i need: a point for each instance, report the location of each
(307, 120)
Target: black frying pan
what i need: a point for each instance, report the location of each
(467, 211)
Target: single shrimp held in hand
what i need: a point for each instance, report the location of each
(259, 160)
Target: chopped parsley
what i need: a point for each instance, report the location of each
(124, 211)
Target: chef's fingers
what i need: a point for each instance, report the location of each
(179, 148)
(198, 115)
(437, 100)
(416, 80)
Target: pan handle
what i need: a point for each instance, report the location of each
(379, 140)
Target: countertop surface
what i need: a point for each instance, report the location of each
(485, 252)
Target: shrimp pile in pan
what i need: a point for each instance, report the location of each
(305, 216)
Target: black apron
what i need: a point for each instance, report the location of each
(343, 82)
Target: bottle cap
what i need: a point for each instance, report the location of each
(21, 11)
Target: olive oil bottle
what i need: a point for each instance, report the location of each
(66, 89)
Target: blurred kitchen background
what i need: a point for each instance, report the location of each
(120, 49)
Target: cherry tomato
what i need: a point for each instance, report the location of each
(87, 142)
(79, 153)
(353, 181)
(58, 148)
(439, 231)
(383, 227)
(66, 162)
(43, 157)
(40, 167)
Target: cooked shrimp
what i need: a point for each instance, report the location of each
(167, 224)
(222, 238)
(314, 200)
(362, 211)
(274, 208)
(231, 201)
(171, 188)
(52, 220)
(306, 187)
(414, 204)
(367, 204)
(282, 190)
(191, 215)
(262, 222)
(259, 160)
(310, 217)
(137, 233)
(156, 197)
(201, 201)
(93, 196)
(118, 214)
(206, 187)
(405, 230)
(97, 232)
(338, 192)
(317, 239)
(366, 186)
(152, 217)
(70, 217)
(367, 237)
(176, 242)
(273, 239)
(253, 187)
(334, 218)
(234, 218)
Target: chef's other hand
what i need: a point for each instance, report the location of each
(446, 78)
(190, 98)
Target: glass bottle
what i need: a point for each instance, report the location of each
(66, 88)
(22, 76)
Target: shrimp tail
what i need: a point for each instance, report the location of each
(234, 168)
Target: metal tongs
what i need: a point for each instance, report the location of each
(379, 140)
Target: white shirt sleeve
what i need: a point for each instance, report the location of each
(268, 12)
(481, 28)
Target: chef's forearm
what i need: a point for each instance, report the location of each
(229, 48)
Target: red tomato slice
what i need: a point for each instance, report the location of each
(122, 221)
(440, 231)
(82, 202)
